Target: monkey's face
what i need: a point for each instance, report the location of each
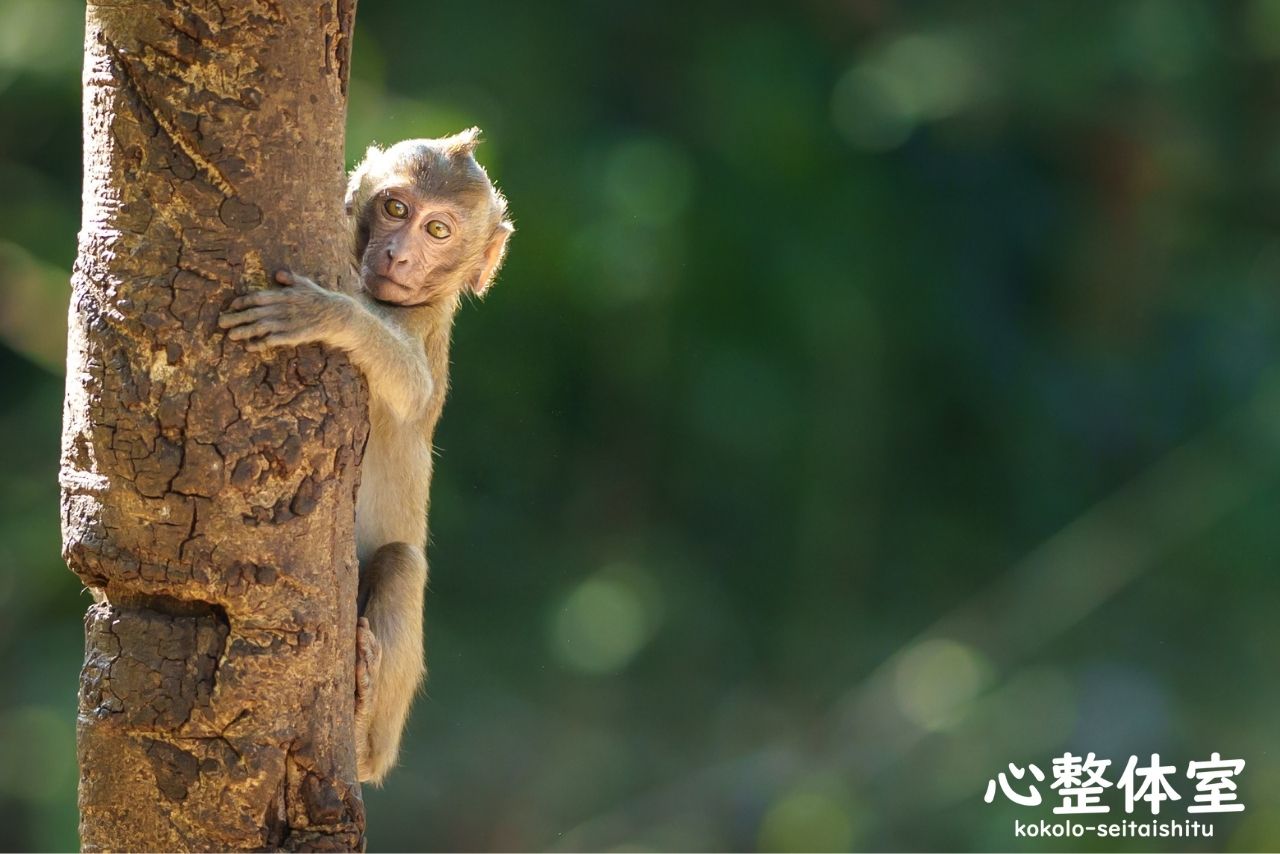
(428, 222)
(416, 247)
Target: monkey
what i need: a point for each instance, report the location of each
(427, 227)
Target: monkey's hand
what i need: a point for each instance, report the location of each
(392, 360)
(285, 317)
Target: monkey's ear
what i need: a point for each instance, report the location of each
(493, 255)
(371, 154)
(463, 142)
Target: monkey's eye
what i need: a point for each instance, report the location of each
(438, 229)
(395, 208)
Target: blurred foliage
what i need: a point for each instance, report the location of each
(876, 394)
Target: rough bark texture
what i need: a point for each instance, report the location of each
(208, 493)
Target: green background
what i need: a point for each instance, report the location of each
(875, 395)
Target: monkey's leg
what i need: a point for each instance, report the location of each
(389, 658)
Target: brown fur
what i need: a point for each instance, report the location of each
(397, 331)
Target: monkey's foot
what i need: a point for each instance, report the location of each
(368, 660)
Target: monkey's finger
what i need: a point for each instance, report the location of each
(256, 329)
(258, 298)
(259, 345)
(276, 339)
(239, 318)
(288, 277)
(364, 686)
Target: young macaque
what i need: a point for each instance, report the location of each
(428, 226)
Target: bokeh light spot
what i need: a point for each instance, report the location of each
(917, 78)
(606, 620)
(812, 817)
(28, 41)
(936, 679)
(872, 110)
(938, 71)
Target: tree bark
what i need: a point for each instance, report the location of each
(208, 493)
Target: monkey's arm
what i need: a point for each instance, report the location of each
(394, 364)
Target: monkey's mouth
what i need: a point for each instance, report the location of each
(387, 289)
(390, 292)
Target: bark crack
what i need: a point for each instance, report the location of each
(171, 130)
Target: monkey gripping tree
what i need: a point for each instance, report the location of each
(207, 495)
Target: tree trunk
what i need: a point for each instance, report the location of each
(208, 492)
